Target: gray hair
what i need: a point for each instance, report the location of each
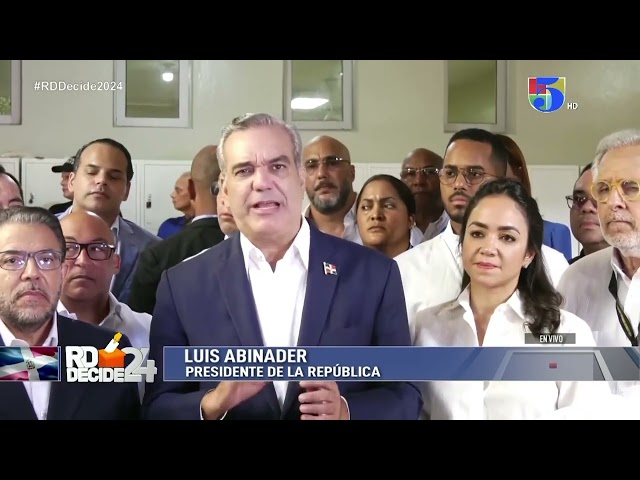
(613, 141)
(255, 120)
(35, 216)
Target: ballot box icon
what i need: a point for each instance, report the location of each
(111, 356)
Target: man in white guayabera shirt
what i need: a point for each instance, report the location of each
(432, 271)
(603, 288)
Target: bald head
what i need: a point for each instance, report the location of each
(204, 168)
(424, 157)
(326, 143)
(86, 227)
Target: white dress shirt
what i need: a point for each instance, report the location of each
(452, 325)
(433, 230)
(351, 231)
(585, 287)
(279, 294)
(432, 271)
(38, 392)
(135, 325)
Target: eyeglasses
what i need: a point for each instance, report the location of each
(473, 175)
(628, 189)
(578, 201)
(330, 161)
(215, 188)
(412, 172)
(97, 251)
(16, 260)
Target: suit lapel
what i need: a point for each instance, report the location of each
(320, 289)
(65, 397)
(128, 255)
(318, 299)
(238, 296)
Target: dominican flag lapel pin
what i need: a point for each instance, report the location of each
(330, 269)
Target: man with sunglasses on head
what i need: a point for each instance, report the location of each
(432, 272)
(603, 288)
(329, 185)
(583, 214)
(92, 262)
(420, 173)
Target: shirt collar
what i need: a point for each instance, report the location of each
(300, 247)
(11, 341)
(114, 310)
(513, 304)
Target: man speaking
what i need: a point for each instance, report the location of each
(269, 286)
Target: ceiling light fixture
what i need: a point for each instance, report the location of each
(167, 76)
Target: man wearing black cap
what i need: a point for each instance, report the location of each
(65, 169)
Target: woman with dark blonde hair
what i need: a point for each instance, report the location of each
(556, 235)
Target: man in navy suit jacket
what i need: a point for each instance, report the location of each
(32, 252)
(269, 285)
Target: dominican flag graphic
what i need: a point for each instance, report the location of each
(29, 364)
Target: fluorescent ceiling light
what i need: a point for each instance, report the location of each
(167, 76)
(307, 103)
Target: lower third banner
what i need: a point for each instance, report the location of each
(389, 364)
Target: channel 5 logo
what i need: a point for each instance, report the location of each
(547, 94)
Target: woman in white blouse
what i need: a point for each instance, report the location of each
(505, 294)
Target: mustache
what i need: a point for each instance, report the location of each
(459, 194)
(324, 184)
(616, 217)
(31, 289)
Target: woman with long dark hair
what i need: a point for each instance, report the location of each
(506, 296)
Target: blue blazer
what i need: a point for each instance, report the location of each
(207, 301)
(171, 226)
(133, 241)
(558, 236)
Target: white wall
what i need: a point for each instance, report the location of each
(398, 106)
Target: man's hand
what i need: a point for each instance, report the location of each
(322, 401)
(226, 396)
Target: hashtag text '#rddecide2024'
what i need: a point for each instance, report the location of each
(59, 86)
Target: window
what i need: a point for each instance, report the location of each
(475, 95)
(10, 92)
(155, 93)
(319, 94)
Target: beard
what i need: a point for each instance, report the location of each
(29, 317)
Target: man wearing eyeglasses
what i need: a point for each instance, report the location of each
(32, 268)
(603, 288)
(583, 215)
(92, 262)
(432, 272)
(420, 173)
(329, 186)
